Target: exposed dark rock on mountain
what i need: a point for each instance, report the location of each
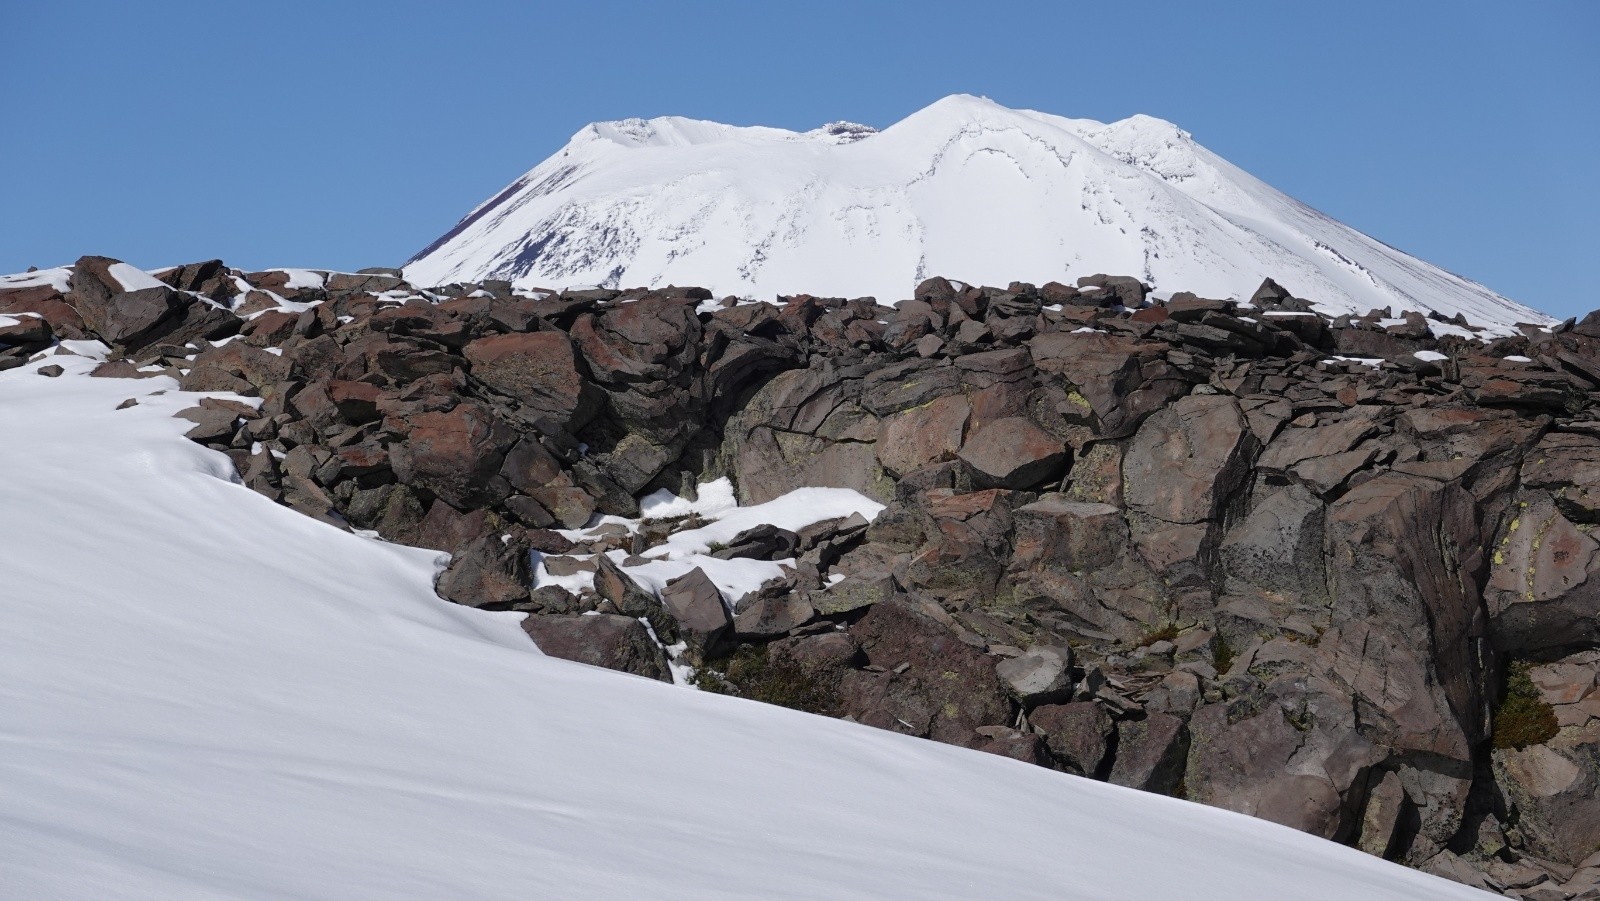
(1187, 547)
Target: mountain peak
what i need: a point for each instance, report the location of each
(965, 188)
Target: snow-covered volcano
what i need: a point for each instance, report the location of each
(965, 188)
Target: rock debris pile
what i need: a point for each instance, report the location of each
(1336, 573)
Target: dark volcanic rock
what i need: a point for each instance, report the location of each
(614, 642)
(1295, 586)
(932, 684)
(1076, 734)
(456, 455)
(1014, 453)
(488, 572)
(540, 370)
(696, 604)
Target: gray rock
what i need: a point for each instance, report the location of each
(1385, 805)
(1278, 546)
(855, 592)
(1178, 694)
(1041, 675)
(772, 614)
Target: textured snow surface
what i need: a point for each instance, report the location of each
(59, 278)
(965, 188)
(304, 278)
(132, 278)
(204, 695)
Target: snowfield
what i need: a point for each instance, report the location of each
(205, 695)
(965, 188)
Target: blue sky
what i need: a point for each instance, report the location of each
(344, 134)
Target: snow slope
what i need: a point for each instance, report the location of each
(204, 695)
(965, 188)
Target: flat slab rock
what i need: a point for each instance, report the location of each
(614, 642)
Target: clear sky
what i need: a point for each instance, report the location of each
(344, 134)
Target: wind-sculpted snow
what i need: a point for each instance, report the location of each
(964, 188)
(205, 694)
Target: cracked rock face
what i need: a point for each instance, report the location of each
(1183, 547)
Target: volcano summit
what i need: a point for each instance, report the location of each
(965, 188)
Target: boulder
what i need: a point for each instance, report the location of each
(129, 318)
(925, 434)
(1128, 291)
(1543, 591)
(540, 370)
(857, 591)
(25, 332)
(821, 652)
(1115, 381)
(630, 599)
(1151, 753)
(1188, 459)
(1241, 763)
(1015, 744)
(614, 642)
(488, 572)
(702, 617)
(1567, 465)
(1014, 453)
(1381, 819)
(762, 542)
(1040, 675)
(1553, 790)
(528, 466)
(1077, 537)
(772, 614)
(128, 309)
(1077, 735)
(212, 423)
(455, 455)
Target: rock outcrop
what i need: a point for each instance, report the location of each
(1194, 547)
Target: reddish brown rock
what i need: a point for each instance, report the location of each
(1187, 459)
(455, 455)
(540, 370)
(614, 642)
(1015, 453)
(931, 685)
(696, 604)
(921, 435)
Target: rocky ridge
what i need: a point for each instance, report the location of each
(1336, 573)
